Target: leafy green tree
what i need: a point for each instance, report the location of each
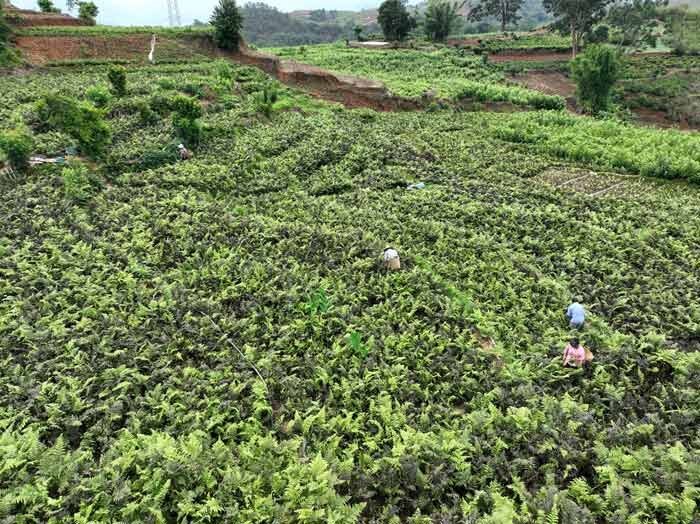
(506, 11)
(599, 35)
(394, 20)
(117, 77)
(4, 26)
(17, 146)
(227, 21)
(88, 11)
(575, 18)
(441, 16)
(358, 32)
(595, 72)
(46, 6)
(635, 20)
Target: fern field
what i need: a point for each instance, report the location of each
(216, 340)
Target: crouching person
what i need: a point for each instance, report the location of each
(575, 354)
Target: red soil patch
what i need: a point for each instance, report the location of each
(659, 119)
(42, 49)
(29, 18)
(550, 82)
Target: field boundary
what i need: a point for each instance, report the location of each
(351, 91)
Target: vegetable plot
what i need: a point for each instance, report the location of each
(216, 340)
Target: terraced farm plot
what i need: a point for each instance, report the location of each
(217, 340)
(606, 185)
(446, 74)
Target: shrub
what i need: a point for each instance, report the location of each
(595, 72)
(188, 130)
(154, 158)
(98, 95)
(227, 21)
(146, 115)
(81, 120)
(161, 103)
(166, 83)
(186, 107)
(17, 146)
(117, 77)
(76, 182)
(265, 99)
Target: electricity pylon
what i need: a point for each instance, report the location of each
(173, 13)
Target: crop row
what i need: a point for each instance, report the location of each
(216, 339)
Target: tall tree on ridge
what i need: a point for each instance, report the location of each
(395, 20)
(506, 11)
(441, 16)
(227, 21)
(576, 18)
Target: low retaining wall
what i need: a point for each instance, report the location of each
(39, 50)
(350, 91)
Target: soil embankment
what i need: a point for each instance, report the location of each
(348, 90)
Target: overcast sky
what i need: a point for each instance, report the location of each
(155, 12)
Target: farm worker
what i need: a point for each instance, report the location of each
(576, 353)
(185, 154)
(576, 315)
(391, 259)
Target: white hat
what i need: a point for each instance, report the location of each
(390, 254)
(180, 146)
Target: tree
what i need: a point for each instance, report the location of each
(441, 16)
(87, 11)
(395, 20)
(358, 32)
(575, 18)
(70, 5)
(46, 6)
(506, 11)
(4, 27)
(227, 21)
(635, 20)
(595, 72)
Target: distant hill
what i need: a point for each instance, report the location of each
(267, 26)
(264, 25)
(694, 4)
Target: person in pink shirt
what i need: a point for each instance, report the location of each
(574, 353)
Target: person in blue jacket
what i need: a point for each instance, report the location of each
(576, 315)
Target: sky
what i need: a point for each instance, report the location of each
(155, 12)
